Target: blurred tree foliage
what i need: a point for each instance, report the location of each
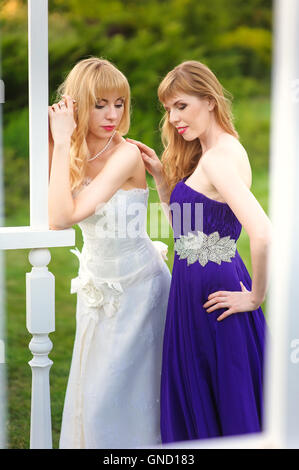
(144, 39)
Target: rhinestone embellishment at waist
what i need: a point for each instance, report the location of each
(203, 248)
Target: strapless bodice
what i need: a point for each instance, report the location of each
(116, 244)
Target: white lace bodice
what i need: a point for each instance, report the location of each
(117, 249)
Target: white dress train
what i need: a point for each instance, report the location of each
(113, 391)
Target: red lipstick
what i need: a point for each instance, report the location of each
(181, 130)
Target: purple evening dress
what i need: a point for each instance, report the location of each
(212, 372)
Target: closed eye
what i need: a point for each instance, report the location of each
(180, 107)
(100, 106)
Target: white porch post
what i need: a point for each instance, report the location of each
(40, 287)
(38, 106)
(40, 284)
(40, 309)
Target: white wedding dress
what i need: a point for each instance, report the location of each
(113, 392)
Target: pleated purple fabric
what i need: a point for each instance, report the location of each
(212, 372)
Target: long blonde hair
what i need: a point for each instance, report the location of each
(180, 157)
(86, 83)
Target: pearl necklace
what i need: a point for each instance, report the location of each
(105, 148)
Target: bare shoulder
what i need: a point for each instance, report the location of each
(131, 151)
(229, 147)
(127, 161)
(229, 152)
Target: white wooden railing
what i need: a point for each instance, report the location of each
(40, 289)
(281, 428)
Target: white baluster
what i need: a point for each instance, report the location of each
(40, 321)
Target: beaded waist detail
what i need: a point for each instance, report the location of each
(203, 248)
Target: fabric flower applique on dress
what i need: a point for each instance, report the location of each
(104, 294)
(203, 248)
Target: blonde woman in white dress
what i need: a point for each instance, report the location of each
(97, 180)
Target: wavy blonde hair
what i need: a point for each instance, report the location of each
(180, 157)
(88, 81)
